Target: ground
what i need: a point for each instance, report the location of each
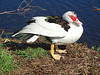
(79, 60)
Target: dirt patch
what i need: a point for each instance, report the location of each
(79, 60)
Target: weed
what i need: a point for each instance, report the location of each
(2, 33)
(96, 48)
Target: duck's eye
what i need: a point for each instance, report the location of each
(71, 16)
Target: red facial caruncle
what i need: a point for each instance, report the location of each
(75, 19)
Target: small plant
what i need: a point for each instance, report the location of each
(6, 61)
(30, 53)
(96, 48)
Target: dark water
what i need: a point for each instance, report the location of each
(90, 19)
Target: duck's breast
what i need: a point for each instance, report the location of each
(73, 34)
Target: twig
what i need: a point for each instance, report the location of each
(22, 9)
(3, 29)
(96, 9)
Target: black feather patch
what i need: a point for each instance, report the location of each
(24, 36)
(58, 20)
(30, 21)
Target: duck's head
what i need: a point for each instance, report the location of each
(71, 17)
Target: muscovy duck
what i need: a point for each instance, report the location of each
(57, 30)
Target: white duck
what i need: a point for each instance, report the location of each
(60, 30)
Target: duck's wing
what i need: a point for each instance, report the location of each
(58, 20)
(41, 27)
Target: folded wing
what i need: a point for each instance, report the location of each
(41, 27)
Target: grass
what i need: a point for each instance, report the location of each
(6, 61)
(96, 48)
(30, 53)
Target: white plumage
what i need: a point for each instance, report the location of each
(33, 38)
(41, 27)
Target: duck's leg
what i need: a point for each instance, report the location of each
(59, 50)
(55, 56)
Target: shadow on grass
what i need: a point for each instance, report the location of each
(21, 46)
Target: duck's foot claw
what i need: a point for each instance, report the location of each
(61, 51)
(57, 56)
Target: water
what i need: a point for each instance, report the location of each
(83, 8)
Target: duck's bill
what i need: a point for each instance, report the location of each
(78, 22)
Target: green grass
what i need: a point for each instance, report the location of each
(6, 61)
(30, 53)
(96, 48)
